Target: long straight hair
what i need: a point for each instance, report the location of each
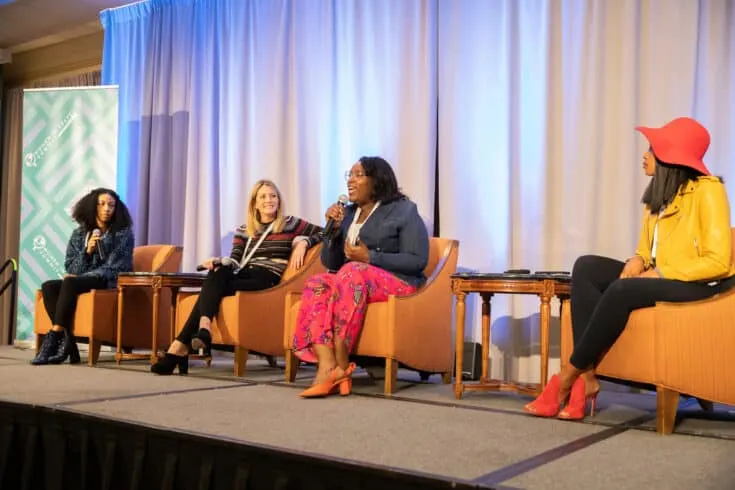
(665, 183)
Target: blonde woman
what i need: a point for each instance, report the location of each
(260, 253)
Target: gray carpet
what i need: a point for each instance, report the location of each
(640, 460)
(59, 385)
(408, 435)
(483, 437)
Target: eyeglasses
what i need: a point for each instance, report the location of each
(357, 175)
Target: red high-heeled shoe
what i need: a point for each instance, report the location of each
(334, 383)
(577, 405)
(547, 404)
(345, 387)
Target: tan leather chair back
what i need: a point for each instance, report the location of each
(157, 258)
(439, 251)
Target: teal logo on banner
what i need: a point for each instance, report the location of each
(69, 148)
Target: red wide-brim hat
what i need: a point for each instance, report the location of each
(682, 141)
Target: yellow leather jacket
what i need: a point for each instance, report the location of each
(694, 237)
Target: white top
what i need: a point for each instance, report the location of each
(655, 237)
(353, 232)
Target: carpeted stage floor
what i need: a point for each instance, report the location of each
(484, 439)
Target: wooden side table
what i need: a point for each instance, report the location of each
(545, 286)
(155, 281)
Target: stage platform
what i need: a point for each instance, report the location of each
(122, 427)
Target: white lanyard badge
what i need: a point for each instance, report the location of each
(246, 258)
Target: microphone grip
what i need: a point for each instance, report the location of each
(329, 227)
(202, 267)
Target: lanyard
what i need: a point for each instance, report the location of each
(247, 257)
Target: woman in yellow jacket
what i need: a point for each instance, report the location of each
(684, 254)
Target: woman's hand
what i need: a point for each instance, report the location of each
(336, 212)
(633, 268)
(357, 253)
(650, 274)
(298, 253)
(92, 243)
(209, 263)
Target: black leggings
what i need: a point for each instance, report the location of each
(219, 284)
(60, 296)
(602, 303)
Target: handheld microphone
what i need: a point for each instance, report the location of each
(97, 245)
(329, 228)
(223, 262)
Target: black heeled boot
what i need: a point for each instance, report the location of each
(166, 365)
(202, 340)
(50, 347)
(68, 349)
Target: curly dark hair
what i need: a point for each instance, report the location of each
(385, 185)
(85, 211)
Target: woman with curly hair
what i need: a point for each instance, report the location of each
(99, 249)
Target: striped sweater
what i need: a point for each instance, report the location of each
(275, 251)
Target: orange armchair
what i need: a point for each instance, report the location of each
(680, 348)
(95, 318)
(253, 320)
(414, 330)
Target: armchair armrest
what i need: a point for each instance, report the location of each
(694, 344)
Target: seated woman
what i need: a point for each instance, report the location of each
(381, 248)
(99, 248)
(260, 254)
(684, 254)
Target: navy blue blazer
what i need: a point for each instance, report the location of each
(396, 237)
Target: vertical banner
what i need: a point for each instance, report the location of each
(69, 148)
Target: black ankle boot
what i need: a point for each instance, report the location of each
(50, 347)
(202, 340)
(68, 348)
(166, 366)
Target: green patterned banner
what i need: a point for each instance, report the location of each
(69, 148)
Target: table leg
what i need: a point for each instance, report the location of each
(174, 294)
(459, 345)
(118, 348)
(545, 327)
(156, 306)
(485, 338)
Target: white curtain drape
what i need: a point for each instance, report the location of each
(218, 94)
(529, 105)
(538, 157)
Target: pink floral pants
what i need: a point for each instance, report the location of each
(333, 305)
